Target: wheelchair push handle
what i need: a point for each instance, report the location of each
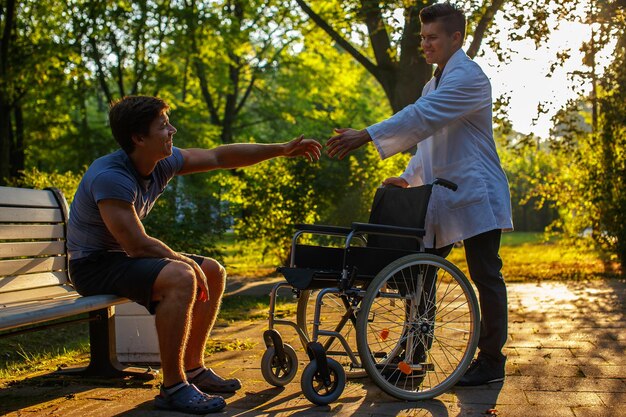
(445, 183)
(438, 181)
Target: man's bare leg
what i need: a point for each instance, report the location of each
(204, 314)
(175, 290)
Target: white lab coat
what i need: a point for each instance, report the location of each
(452, 124)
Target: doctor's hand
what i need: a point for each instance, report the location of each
(397, 181)
(346, 141)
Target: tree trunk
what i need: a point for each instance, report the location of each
(5, 142)
(17, 150)
(8, 11)
(230, 109)
(406, 83)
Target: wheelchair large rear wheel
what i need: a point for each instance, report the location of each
(418, 327)
(334, 316)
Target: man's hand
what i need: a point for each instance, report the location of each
(346, 141)
(397, 181)
(203, 286)
(307, 147)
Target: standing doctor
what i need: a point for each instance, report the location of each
(452, 125)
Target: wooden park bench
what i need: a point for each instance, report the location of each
(35, 289)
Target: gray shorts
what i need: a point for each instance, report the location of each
(119, 274)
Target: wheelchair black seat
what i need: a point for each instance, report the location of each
(318, 267)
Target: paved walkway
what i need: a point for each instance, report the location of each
(566, 358)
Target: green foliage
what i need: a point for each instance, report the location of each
(189, 216)
(588, 149)
(33, 178)
(367, 171)
(527, 165)
(271, 197)
(608, 173)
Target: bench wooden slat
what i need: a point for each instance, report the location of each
(27, 198)
(36, 294)
(34, 286)
(31, 231)
(15, 249)
(12, 317)
(22, 282)
(32, 265)
(30, 215)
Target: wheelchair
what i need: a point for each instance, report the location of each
(373, 303)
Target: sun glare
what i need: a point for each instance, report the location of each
(526, 79)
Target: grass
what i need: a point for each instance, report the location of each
(531, 257)
(246, 258)
(43, 350)
(526, 257)
(215, 346)
(249, 307)
(520, 238)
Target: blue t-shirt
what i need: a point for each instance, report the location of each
(113, 176)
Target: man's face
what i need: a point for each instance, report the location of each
(437, 44)
(159, 140)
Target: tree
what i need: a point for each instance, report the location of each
(229, 46)
(608, 185)
(122, 41)
(31, 57)
(588, 143)
(398, 64)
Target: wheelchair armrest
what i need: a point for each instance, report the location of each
(320, 228)
(381, 229)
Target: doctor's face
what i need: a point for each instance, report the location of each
(437, 44)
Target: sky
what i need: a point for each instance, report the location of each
(525, 78)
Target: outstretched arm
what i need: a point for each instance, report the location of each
(244, 154)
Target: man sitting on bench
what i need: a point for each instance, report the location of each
(110, 252)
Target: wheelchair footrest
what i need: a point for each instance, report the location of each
(308, 278)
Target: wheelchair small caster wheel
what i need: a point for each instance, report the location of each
(276, 370)
(313, 386)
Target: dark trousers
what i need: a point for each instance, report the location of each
(484, 264)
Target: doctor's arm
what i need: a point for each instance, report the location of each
(459, 94)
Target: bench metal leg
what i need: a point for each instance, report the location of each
(103, 361)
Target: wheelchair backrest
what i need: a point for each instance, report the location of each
(396, 206)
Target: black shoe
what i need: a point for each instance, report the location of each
(482, 371)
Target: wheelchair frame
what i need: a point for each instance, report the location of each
(323, 380)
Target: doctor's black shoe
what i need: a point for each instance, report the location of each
(482, 371)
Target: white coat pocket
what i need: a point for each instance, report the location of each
(466, 174)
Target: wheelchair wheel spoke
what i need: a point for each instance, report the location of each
(417, 328)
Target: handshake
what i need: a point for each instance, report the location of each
(345, 141)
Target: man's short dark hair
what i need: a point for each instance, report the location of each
(452, 17)
(133, 115)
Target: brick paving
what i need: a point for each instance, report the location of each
(566, 358)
